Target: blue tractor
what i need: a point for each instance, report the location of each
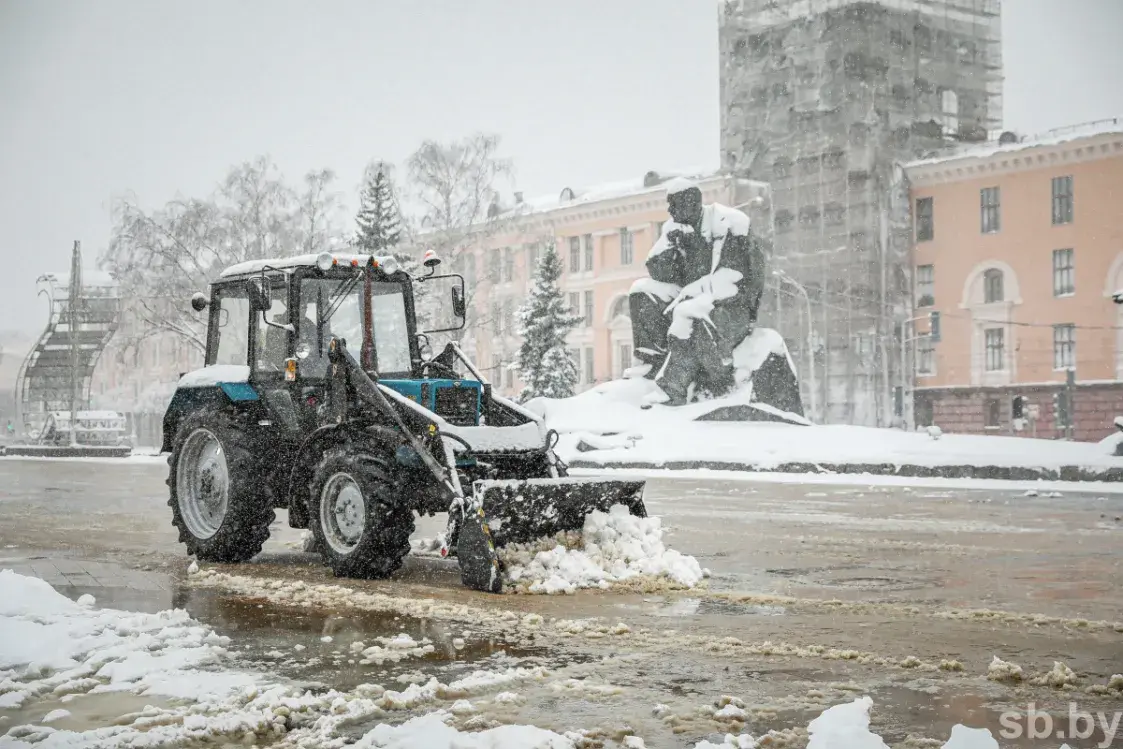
(285, 415)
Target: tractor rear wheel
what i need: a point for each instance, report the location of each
(361, 525)
(216, 485)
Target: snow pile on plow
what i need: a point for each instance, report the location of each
(613, 547)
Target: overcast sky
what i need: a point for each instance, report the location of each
(100, 98)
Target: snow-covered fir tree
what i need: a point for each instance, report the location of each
(379, 225)
(379, 232)
(544, 321)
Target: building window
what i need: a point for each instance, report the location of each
(989, 200)
(510, 378)
(497, 370)
(590, 375)
(1064, 346)
(574, 254)
(993, 412)
(626, 247)
(1062, 200)
(992, 286)
(508, 264)
(925, 228)
(925, 356)
(925, 286)
(625, 357)
(995, 350)
(588, 252)
(575, 357)
(1064, 281)
(588, 309)
(531, 260)
(496, 319)
(493, 262)
(575, 302)
(509, 317)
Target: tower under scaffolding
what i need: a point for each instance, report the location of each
(822, 98)
(55, 376)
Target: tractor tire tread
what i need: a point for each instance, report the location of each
(382, 548)
(249, 512)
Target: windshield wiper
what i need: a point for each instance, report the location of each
(324, 314)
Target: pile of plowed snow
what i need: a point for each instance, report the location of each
(613, 547)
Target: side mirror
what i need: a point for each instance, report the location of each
(459, 308)
(199, 301)
(258, 291)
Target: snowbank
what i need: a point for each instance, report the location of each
(606, 426)
(613, 547)
(49, 643)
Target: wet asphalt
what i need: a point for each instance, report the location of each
(892, 571)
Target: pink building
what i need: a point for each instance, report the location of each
(603, 235)
(1018, 247)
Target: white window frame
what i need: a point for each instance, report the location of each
(994, 355)
(627, 247)
(1064, 272)
(1064, 347)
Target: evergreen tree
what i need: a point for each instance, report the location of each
(380, 231)
(544, 321)
(380, 226)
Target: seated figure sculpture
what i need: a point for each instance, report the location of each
(706, 275)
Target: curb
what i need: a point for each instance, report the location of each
(1006, 473)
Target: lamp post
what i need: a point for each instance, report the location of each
(812, 390)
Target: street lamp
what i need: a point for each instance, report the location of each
(785, 278)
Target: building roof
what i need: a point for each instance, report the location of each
(616, 190)
(652, 183)
(1050, 138)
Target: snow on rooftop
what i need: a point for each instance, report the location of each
(1050, 138)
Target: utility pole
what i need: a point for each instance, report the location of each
(75, 295)
(1070, 391)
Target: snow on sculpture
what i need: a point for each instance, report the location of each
(694, 317)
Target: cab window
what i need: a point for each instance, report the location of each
(272, 342)
(231, 323)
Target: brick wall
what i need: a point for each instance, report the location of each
(965, 410)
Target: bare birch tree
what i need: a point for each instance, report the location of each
(455, 185)
(161, 257)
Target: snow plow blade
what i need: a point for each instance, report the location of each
(521, 511)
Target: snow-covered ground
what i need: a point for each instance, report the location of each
(54, 650)
(607, 426)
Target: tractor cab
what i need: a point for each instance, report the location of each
(277, 319)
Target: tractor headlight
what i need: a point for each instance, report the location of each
(324, 261)
(389, 265)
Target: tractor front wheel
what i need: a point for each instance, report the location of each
(360, 525)
(215, 482)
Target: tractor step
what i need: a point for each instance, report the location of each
(522, 511)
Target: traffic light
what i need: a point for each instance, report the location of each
(934, 326)
(1060, 408)
(1017, 407)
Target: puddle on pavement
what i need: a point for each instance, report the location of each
(291, 641)
(86, 710)
(674, 607)
(899, 710)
